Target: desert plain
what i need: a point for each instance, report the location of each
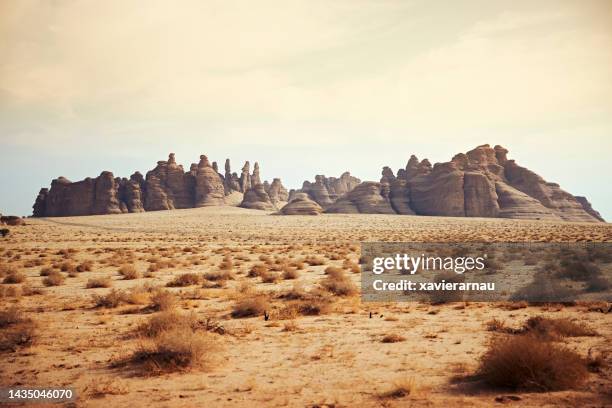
(264, 310)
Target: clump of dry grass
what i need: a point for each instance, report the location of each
(338, 283)
(104, 282)
(162, 300)
(290, 272)
(250, 307)
(128, 272)
(257, 271)
(111, 300)
(14, 276)
(531, 363)
(551, 328)
(165, 321)
(176, 349)
(400, 389)
(16, 330)
(186, 279)
(270, 277)
(219, 276)
(84, 266)
(314, 261)
(53, 279)
(393, 338)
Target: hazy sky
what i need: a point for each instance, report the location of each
(303, 87)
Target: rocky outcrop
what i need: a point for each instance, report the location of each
(325, 191)
(586, 205)
(368, 197)
(301, 204)
(209, 188)
(276, 191)
(480, 183)
(166, 187)
(256, 198)
(231, 182)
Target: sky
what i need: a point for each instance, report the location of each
(302, 87)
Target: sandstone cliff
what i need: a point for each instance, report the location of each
(166, 187)
(480, 183)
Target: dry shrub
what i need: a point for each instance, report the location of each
(16, 330)
(99, 388)
(290, 326)
(219, 276)
(186, 279)
(67, 267)
(250, 307)
(270, 277)
(290, 273)
(162, 300)
(226, 264)
(339, 284)
(257, 270)
(400, 389)
(334, 272)
(550, 328)
(393, 338)
(84, 266)
(178, 349)
(46, 271)
(6, 269)
(53, 279)
(128, 272)
(15, 277)
(530, 363)
(104, 282)
(111, 300)
(314, 261)
(165, 321)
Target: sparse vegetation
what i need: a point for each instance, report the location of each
(531, 363)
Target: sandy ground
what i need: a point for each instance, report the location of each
(334, 359)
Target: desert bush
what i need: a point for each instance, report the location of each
(162, 300)
(179, 349)
(392, 338)
(219, 276)
(14, 276)
(186, 279)
(53, 279)
(46, 271)
(128, 272)
(290, 273)
(250, 307)
(6, 269)
(339, 284)
(334, 272)
(84, 266)
(550, 328)
(165, 321)
(104, 282)
(111, 300)
(16, 330)
(530, 363)
(270, 277)
(446, 296)
(257, 271)
(314, 261)
(400, 389)
(67, 267)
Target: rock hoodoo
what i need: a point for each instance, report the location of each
(326, 190)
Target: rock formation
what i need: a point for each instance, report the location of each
(166, 187)
(325, 191)
(301, 204)
(368, 197)
(480, 183)
(256, 198)
(209, 188)
(277, 192)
